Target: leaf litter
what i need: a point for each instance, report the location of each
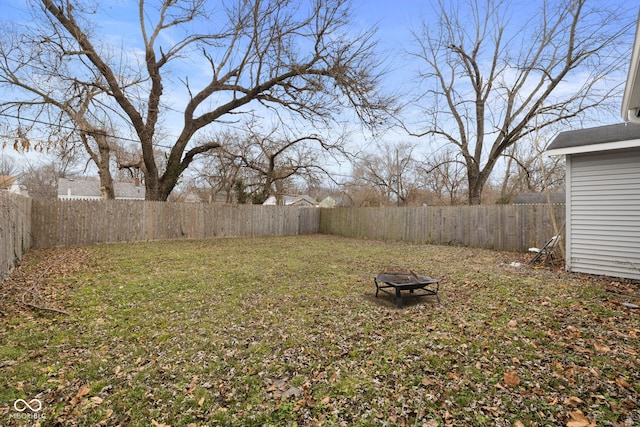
(273, 331)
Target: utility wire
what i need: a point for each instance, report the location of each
(73, 128)
(37, 121)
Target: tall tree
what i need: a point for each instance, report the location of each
(491, 75)
(529, 170)
(297, 60)
(220, 170)
(46, 93)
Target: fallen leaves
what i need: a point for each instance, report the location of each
(623, 383)
(511, 379)
(84, 390)
(602, 348)
(281, 388)
(96, 399)
(578, 419)
(259, 332)
(36, 283)
(572, 401)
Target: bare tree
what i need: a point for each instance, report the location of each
(47, 95)
(218, 171)
(488, 84)
(363, 196)
(41, 179)
(7, 164)
(442, 175)
(272, 159)
(296, 60)
(392, 171)
(528, 170)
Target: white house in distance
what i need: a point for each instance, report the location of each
(603, 189)
(300, 201)
(89, 189)
(304, 201)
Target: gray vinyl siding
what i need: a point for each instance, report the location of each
(603, 213)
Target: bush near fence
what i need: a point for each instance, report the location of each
(15, 230)
(51, 222)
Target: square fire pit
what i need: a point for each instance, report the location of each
(406, 281)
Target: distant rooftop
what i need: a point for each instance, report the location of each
(86, 188)
(538, 198)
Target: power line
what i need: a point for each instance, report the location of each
(41, 122)
(37, 121)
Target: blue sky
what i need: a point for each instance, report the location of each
(394, 20)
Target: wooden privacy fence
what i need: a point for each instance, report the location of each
(85, 222)
(500, 227)
(28, 222)
(15, 230)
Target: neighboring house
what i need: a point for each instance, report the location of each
(603, 199)
(200, 195)
(328, 202)
(300, 201)
(89, 189)
(538, 198)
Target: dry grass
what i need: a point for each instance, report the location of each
(287, 331)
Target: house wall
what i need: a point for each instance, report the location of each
(603, 213)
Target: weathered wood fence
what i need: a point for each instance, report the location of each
(85, 222)
(501, 227)
(26, 223)
(15, 230)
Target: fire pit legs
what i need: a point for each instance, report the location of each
(399, 297)
(406, 282)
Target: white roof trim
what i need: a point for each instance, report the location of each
(631, 99)
(592, 148)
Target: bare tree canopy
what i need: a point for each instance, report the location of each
(207, 62)
(392, 173)
(267, 161)
(491, 76)
(47, 98)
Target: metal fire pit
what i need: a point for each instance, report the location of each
(394, 283)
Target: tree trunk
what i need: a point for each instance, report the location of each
(475, 195)
(477, 180)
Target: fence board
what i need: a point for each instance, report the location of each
(15, 230)
(500, 227)
(50, 222)
(85, 222)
